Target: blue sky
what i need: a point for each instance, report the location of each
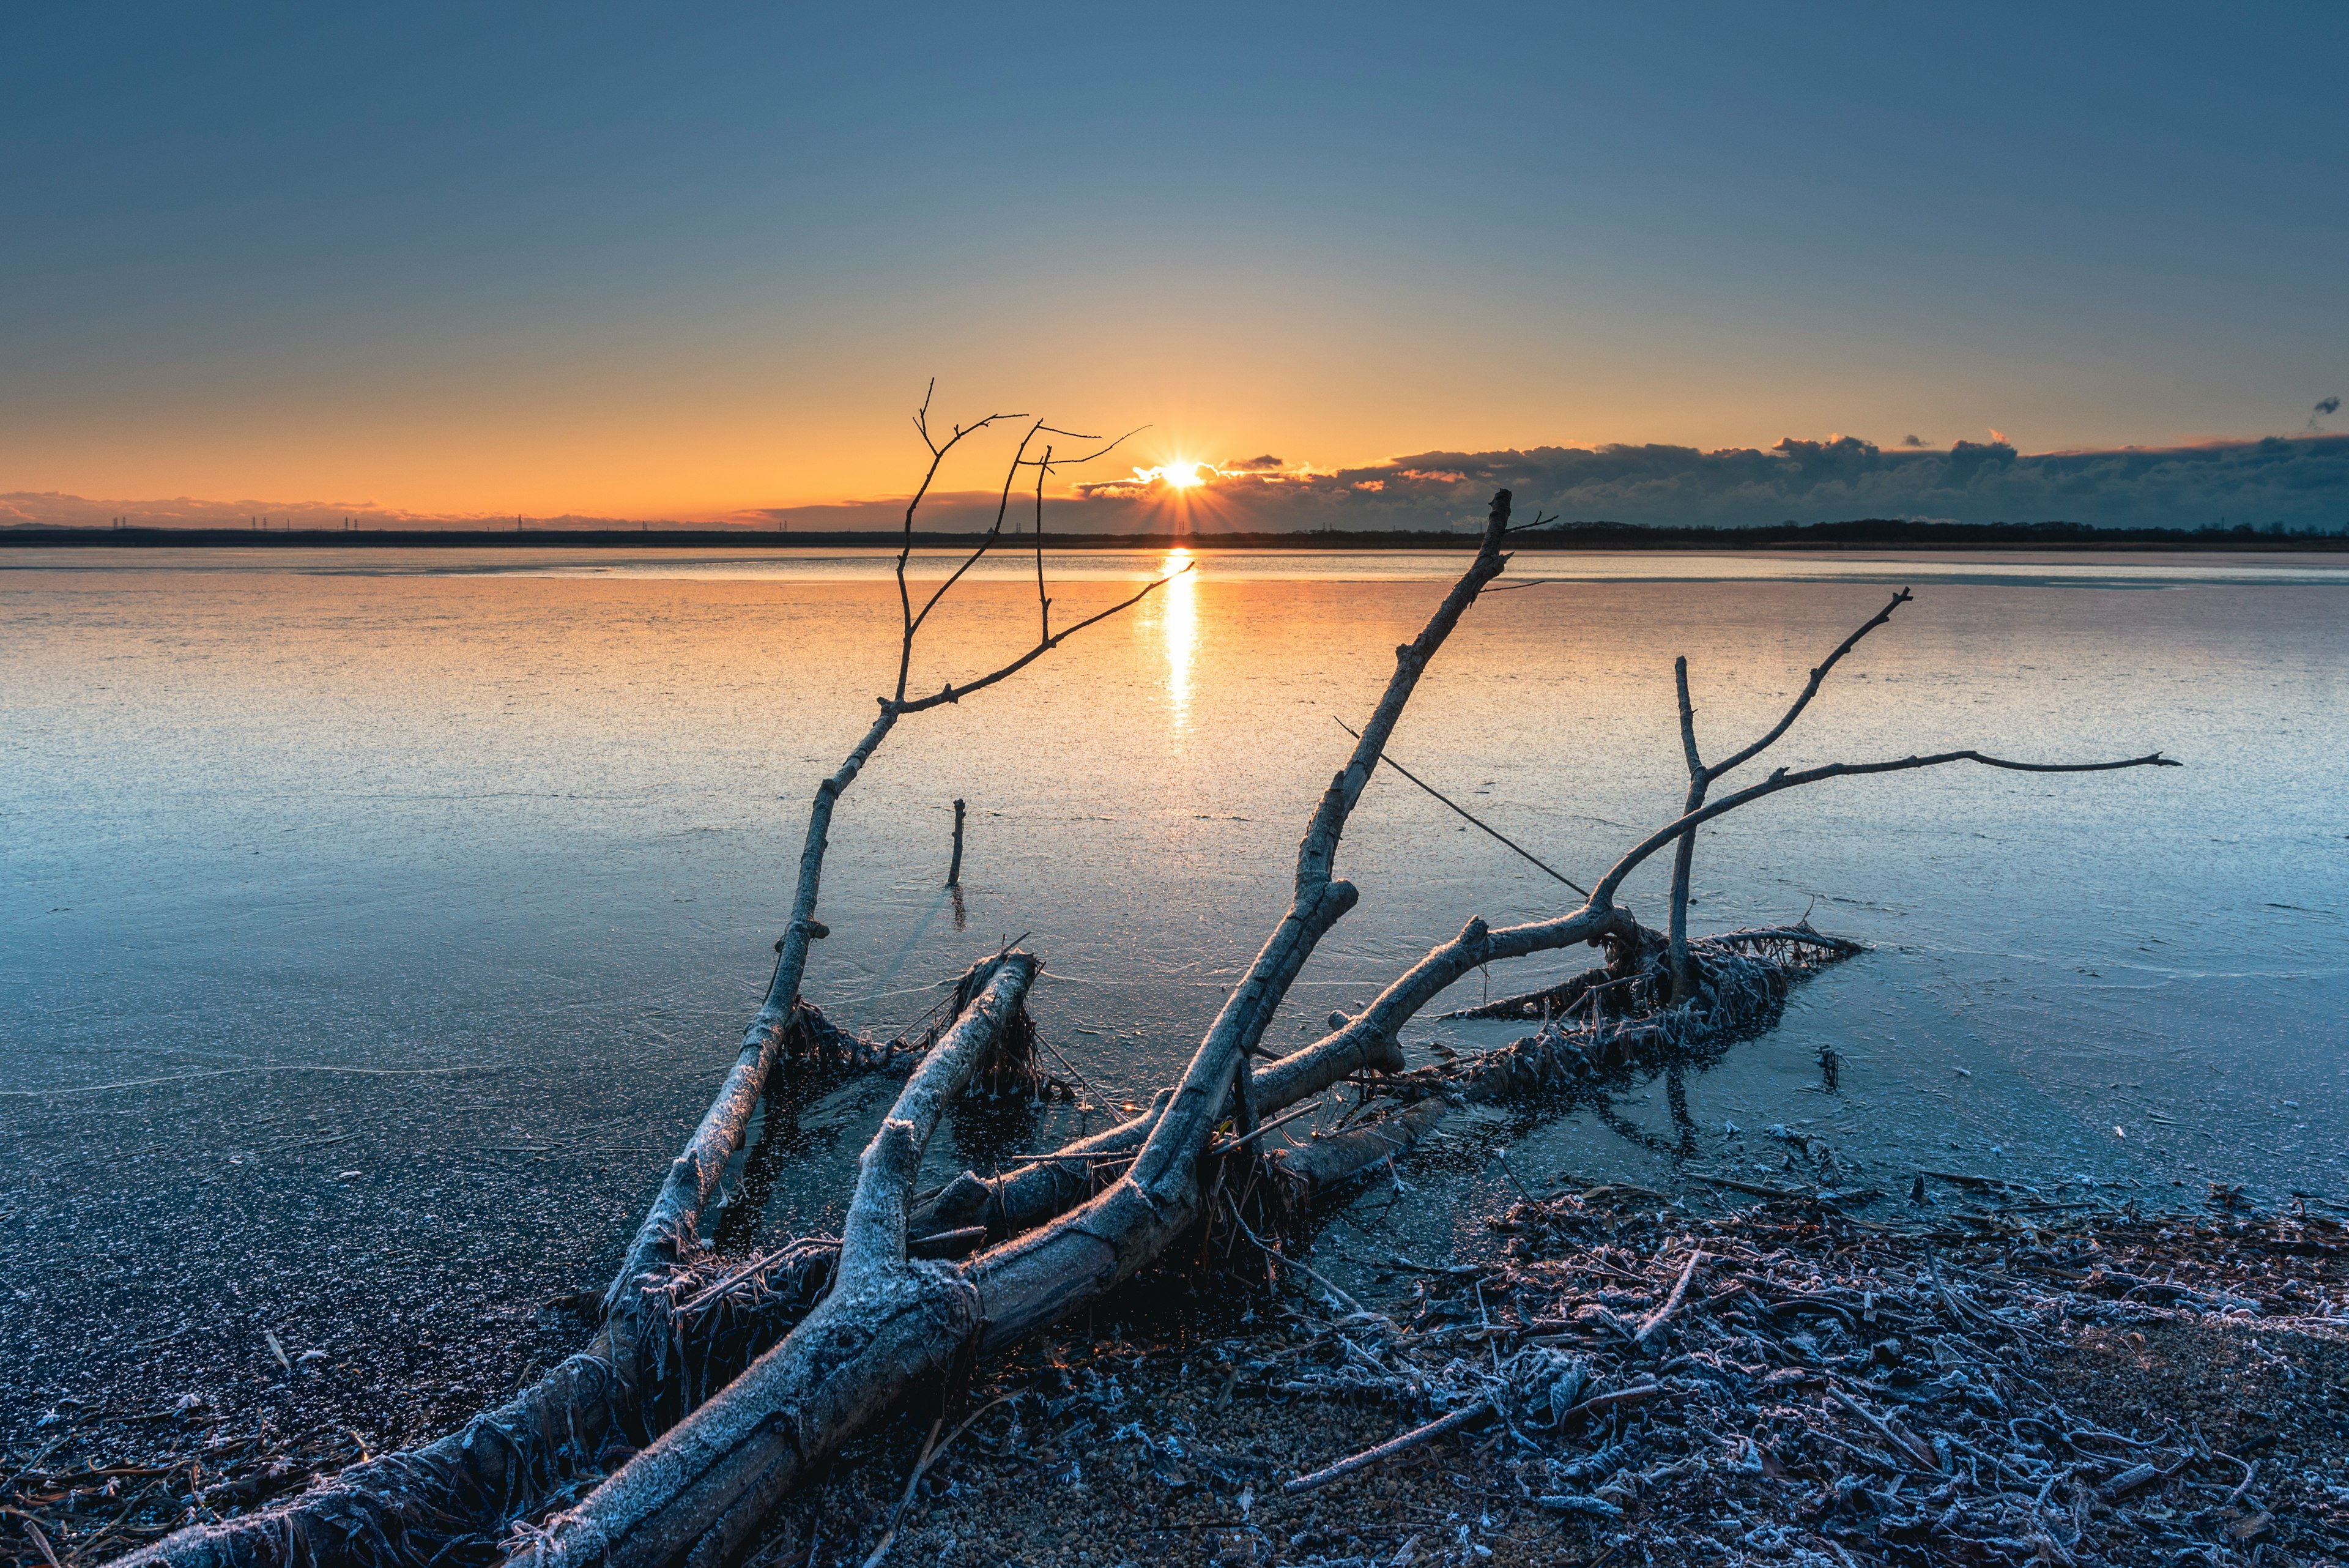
(696, 261)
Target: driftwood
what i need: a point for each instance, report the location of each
(1388, 1450)
(407, 1506)
(1701, 777)
(723, 1318)
(894, 1326)
(1828, 1400)
(747, 1378)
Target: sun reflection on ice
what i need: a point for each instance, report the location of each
(1179, 619)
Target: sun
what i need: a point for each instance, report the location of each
(1181, 473)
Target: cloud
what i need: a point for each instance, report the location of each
(1912, 441)
(1247, 463)
(2301, 482)
(2324, 406)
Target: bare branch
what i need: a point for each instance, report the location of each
(911, 622)
(1002, 507)
(1684, 858)
(922, 415)
(1476, 945)
(1388, 1450)
(1809, 692)
(873, 1237)
(1043, 605)
(1091, 456)
(1783, 780)
(905, 550)
(1701, 777)
(1687, 727)
(1456, 805)
(953, 694)
(1166, 1168)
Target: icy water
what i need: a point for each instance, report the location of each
(394, 915)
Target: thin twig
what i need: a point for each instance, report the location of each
(1456, 806)
(1783, 780)
(1656, 1319)
(1502, 1156)
(932, 1451)
(905, 550)
(1239, 1144)
(986, 543)
(1901, 1442)
(955, 694)
(1810, 690)
(1043, 605)
(1387, 1450)
(1285, 1260)
(1091, 456)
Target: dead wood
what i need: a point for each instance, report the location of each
(891, 1324)
(1027, 1196)
(703, 1494)
(1389, 1450)
(407, 1505)
(1743, 988)
(1785, 780)
(766, 1370)
(1701, 777)
(675, 1335)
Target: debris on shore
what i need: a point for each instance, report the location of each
(1634, 1382)
(1783, 1384)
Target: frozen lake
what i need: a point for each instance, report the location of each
(401, 910)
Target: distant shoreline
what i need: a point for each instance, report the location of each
(1868, 535)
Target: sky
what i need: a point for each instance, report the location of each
(701, 263)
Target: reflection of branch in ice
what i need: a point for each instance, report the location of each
(1622, 1126)
(1676, 1097)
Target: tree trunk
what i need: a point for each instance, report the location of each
(890, 1325)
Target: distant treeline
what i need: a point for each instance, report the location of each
(1875, 533)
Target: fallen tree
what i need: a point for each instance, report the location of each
(411, 1506)
(892, 1325)
(711, 1393)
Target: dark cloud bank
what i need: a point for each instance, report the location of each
(2300, 482)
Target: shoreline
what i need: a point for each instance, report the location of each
(1827, 538)
(1958, 1381)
